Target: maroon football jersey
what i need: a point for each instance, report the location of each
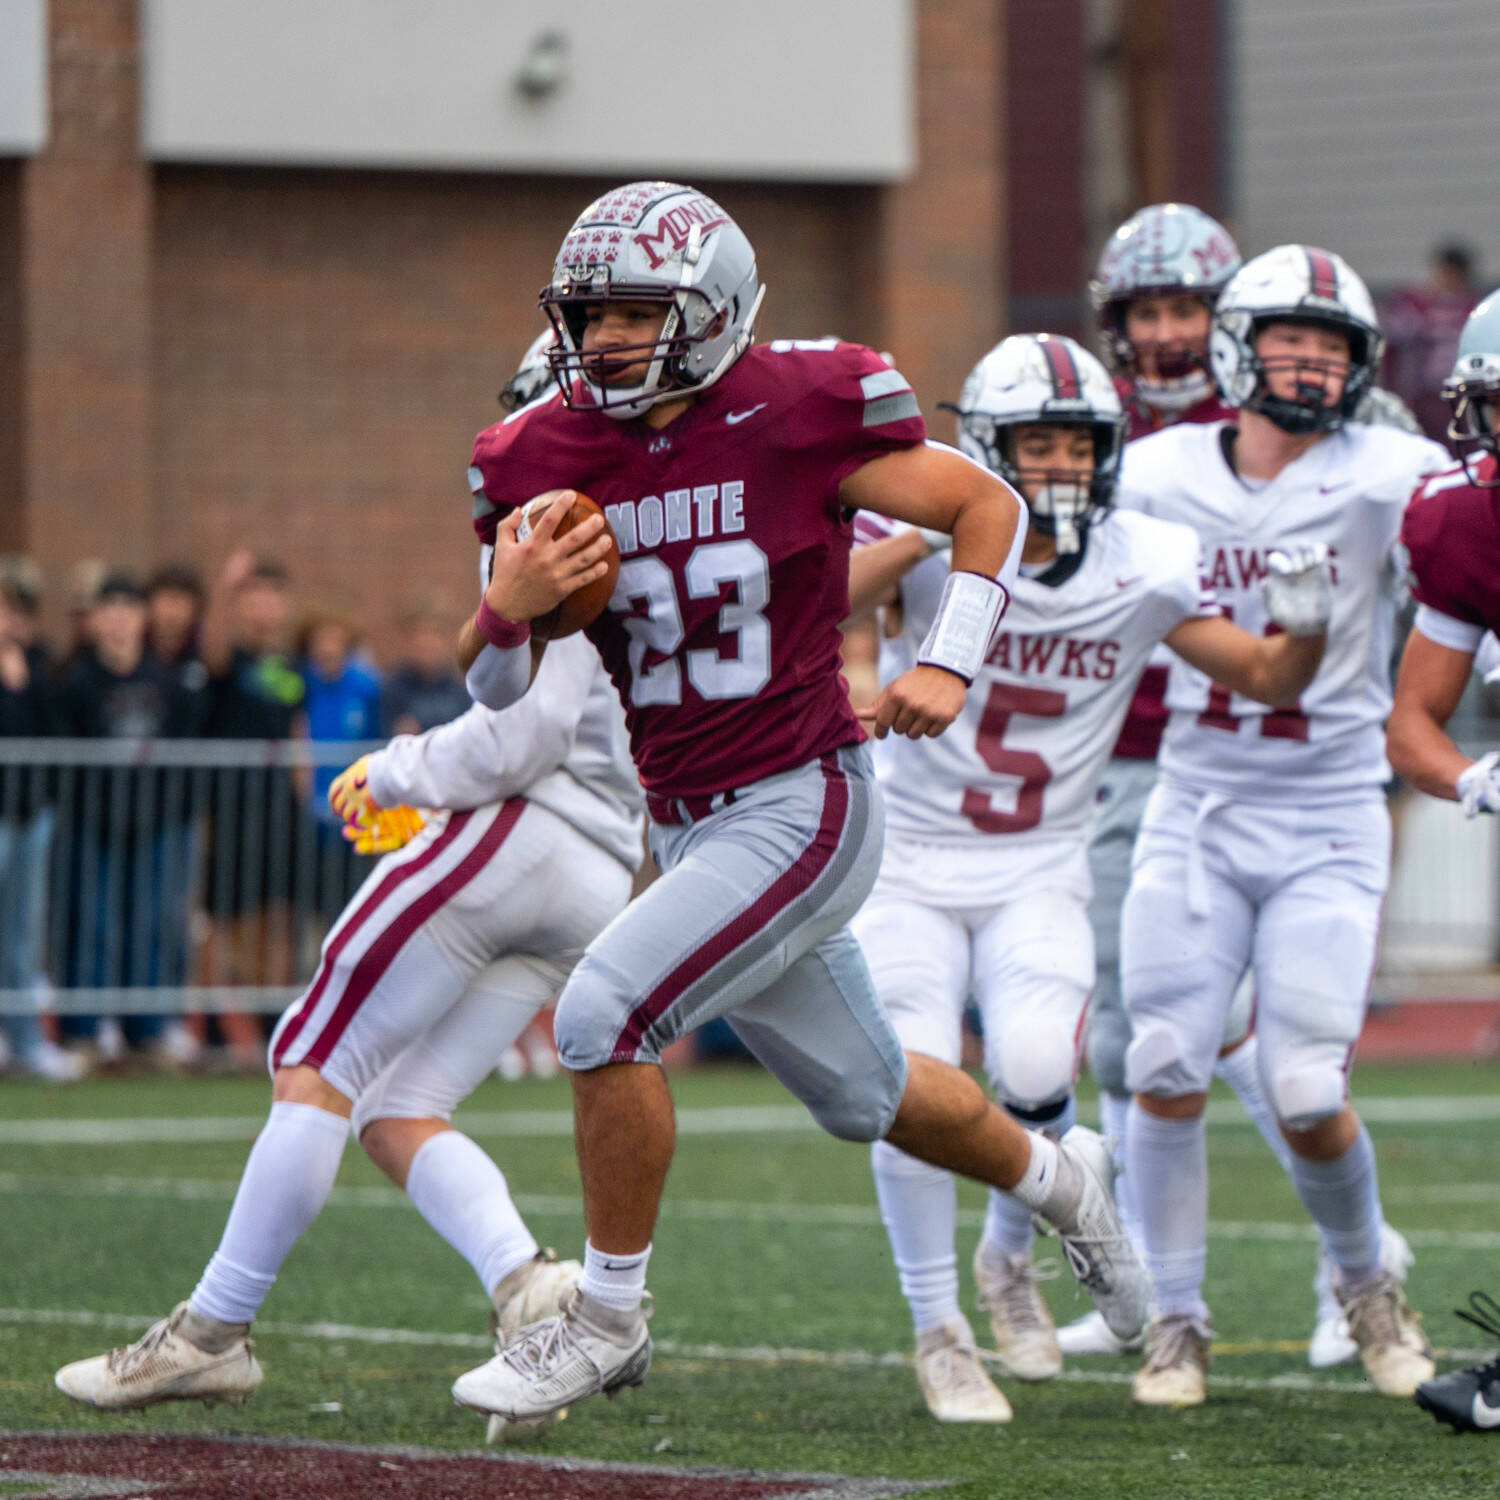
(1451, 533)
(722, 637)
(1140, 737)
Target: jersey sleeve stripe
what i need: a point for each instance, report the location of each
(1444, 630)
(898, 408)
(883, 383)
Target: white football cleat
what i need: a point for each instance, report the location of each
(164, 1365)
(1175, 1370)
(1090, 1335)
(1331, 1342)
(1106, 1264)
(955, 1384)
(584, 1350)
(1025, 1335)
(1392, 1347)
(531, 1292)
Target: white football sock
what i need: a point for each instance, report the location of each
(1240, 1069)
(1114, 1116)
(615, 1280)
(285, 1184)
(1343, 1197)
(1169, 1161)
(919, 1204)
(463, 1195)
(1008, 1228)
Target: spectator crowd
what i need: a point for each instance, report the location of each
(182, 866)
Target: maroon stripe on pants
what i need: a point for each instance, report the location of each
(380, 954)
(367, 908)
(786, 888)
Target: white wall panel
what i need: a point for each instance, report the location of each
(732, 88)
(1366, 126)
(23, 76)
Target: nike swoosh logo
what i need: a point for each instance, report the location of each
(1328, 489)
(734, 418)
(1483, 1413)
(1337, 844)
(1124, 583)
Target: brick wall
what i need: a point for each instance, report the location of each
(297, 360)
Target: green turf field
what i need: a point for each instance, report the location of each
(781, 1338)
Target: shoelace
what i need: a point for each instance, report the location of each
(1170, 1345)
(958, 1367)
(1018, 1296)
(1089, 1271)
(1485, 1316)
(128, 1361)
(1377, 1312)
(537, 1351)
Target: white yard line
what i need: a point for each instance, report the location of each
(703, 1210)
(769, 1119)
(760, 1354)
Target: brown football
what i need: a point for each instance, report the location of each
(584, 605)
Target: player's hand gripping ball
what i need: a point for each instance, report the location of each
(584, 605)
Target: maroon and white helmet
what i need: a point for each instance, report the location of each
(653, 242)
(1044, 380)
(1294, 284)
(1164, 250)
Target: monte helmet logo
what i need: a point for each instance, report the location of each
(669, 235)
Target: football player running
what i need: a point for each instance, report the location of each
(440, 961)
(1452, 541)
(729, 472)
(1267, 839)
(984, 887)
(1153, 295)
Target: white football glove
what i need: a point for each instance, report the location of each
(1478, 786)
(1298, 590)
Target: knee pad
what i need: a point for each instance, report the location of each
(1241, 1019)
(1032, 1061)
(863, 1110)
(1105, 1043)
(592, 1012)
(414, 1087)
(1159, 1061)
(1308, 1087)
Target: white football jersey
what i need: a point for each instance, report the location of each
(562, 746)
(1349, 491)
(1025, 755)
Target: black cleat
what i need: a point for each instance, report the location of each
(1468, 1400)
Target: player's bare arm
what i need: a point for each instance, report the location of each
(936, 488)
(1271, 669)
(1431, 681)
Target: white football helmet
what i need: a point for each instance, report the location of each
(1044, 379)
(533, 375)
(1294, 284)
(1164, 250)
(653, 242)
(1472, 391)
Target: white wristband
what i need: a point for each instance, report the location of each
(965, 624)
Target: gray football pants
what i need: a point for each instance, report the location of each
(748, 921)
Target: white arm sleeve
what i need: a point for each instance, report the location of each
(486, 755)
(499, 677)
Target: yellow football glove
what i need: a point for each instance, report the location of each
(349, 795)
(385, 829)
